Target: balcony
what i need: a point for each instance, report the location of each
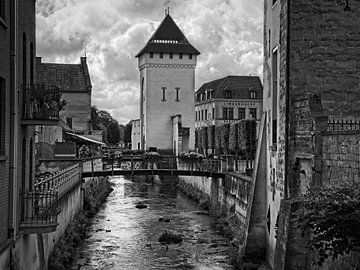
(39, 208)
(39, 212)
(41, 105)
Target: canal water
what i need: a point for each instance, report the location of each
(125, 237)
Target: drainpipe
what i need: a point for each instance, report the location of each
(287, 100)
(14, 117)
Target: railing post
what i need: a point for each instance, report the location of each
(132, 165)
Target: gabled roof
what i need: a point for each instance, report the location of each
(168, 38)
(68, 77)
(239, 86)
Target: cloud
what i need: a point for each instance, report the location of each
(228, 33)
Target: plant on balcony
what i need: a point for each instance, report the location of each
(225, 131)
(152, 157)
(233, 140)
(211, 136)
(190, 157)
(218, 136)
(204, 137)
(242, 139)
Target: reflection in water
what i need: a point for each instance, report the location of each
(124, 237)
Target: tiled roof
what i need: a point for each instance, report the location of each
(239, 86)
(68, 77)
(168, 38)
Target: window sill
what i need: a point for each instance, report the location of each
(3, 158)
(3, 23)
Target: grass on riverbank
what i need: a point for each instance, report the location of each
(78, 229)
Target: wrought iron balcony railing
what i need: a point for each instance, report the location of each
(39, 208)
(39, 212)
(41, 104)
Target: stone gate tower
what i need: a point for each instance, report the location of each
(167, 81)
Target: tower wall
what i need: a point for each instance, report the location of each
(157, 111)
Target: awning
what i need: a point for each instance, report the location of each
(85, 139)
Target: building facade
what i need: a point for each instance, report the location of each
(75, 87)
(311, 75)
(135, 134)
(167, 80)
(228, 100)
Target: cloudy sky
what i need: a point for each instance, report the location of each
(228, 33)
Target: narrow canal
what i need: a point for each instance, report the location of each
(125, 237)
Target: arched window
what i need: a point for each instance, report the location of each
(31, 164)
(31, 63)
(24, 56)
(252, 94)
(23, 177)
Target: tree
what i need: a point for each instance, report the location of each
(101, 119)
(332, 216)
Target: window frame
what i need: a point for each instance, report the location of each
(177, 94)
(161, 55)
(180, 56)
(225, 113)
(171, 55)
(163, 99)
(228, 94)
(241, 112)
(251, 111)
(151, 55)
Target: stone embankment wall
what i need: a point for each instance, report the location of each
(228, 201)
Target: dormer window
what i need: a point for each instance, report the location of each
(228, 94)
(161, 55)
(252, 94)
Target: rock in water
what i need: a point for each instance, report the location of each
(170, 238)
(141, 205)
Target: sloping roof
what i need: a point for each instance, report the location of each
(239, 86)
(68, 77)
(168, 38)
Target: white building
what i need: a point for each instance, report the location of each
(167, 80)
(228, 100)
(135, 134)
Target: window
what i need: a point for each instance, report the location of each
(253, 113)
(205, 114)
(177, 94)
(252, 94)
(171, 55)
(231, 113)
(69, 121)
(31, 63)
(241, 113)
(180, 55)
(190, 56)
(163, 93)
(161, 55)
(2, 9)
(228, 94)
(24, 58)
(151, 55)
(225, 113)
(31, 164)
(274, 95)
(213, 113)
(2, 115)
(202, 114)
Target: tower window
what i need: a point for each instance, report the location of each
(241, 113)
(225, 113)
(180, 55)
(253, 113)
(171, 55)
(252, 94)
(161, 55)
(151, 55)
(190, 56)
(2, 115)
(231, 113)
(228, 94)
(177, 93)
(163, 93)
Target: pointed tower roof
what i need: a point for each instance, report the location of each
(168, 38)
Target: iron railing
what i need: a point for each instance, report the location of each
(343, 125)
(41, 102)
(60, 182)
(39, 210)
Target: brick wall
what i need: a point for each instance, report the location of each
(325, 58)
